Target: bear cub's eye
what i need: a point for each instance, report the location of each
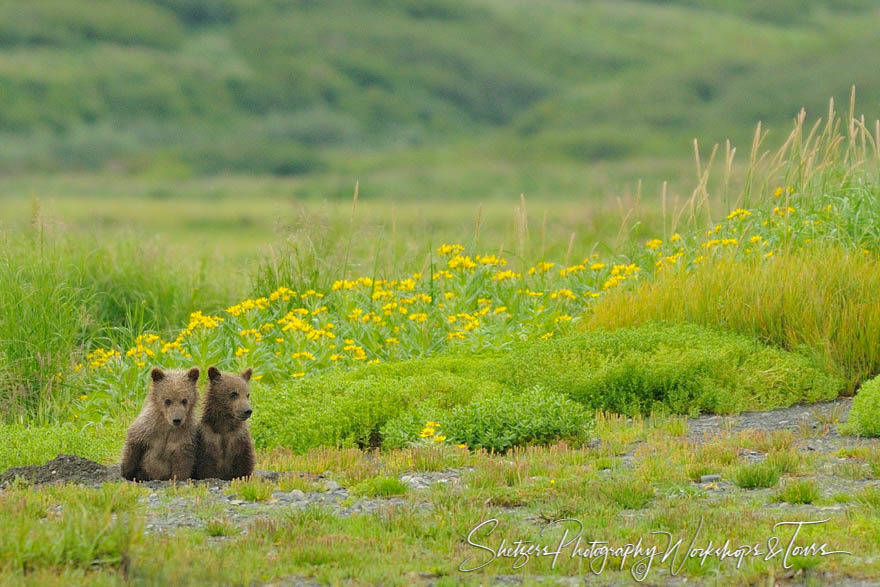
(233, 395)
(183, 401)
(167, 402)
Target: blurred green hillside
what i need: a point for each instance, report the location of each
(316, 89)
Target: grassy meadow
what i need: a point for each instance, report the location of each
(480, 266)
(410, 334)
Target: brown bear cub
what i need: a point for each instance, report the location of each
(224, 449)
(161, 443)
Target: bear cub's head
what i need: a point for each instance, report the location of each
(229, 394)
(174, 393)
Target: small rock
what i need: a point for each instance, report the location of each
(710, 479)
(331, 485)
(237, 501)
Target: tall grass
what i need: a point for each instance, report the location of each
(824, 301)
(62, 293)
(811, 281)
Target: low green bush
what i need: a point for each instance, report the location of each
(499, 422)
(682, 367)
(496, 421)
(538, 390)
(864, 416)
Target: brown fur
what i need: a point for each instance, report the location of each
(224, 449)
(155, 447)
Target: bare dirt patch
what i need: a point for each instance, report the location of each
(63, 469)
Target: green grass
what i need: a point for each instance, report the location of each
(756, 476)
(60, 293)
(34, 444)
(799, 491)
(823, 300)
(91, 530)
(251, 489)
(88, 536)
(380, 487)
(627, 494)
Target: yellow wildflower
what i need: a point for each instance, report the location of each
(450, 249)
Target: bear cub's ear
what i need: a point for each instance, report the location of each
(157, 374)
(213, 373)
(193, 374)
(246, 374)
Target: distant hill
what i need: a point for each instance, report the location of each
(290, 87)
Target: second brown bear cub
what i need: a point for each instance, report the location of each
(224, 449)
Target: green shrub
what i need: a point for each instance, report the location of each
(499, 422)
(339, 408)
(496, 420)
(684, 367)
(864, 416)
(478, 399)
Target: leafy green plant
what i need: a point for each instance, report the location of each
(864, 415)
(500, 422)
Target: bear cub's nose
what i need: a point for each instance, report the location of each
(177, 421)
(247, 413)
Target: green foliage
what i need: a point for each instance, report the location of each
(60, 294)
(56, 22)
(160, 84)
(220, 527)
(380, 487)
(251, 489)
(864, 415)
(756, 476)
(34, 445)
(686, 368)
(499, 400)
(630, 494)
(499, 422)
(88, 529)
(799, 491)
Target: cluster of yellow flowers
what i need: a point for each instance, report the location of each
(431, 432)
(99, 358)
(477, 301)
